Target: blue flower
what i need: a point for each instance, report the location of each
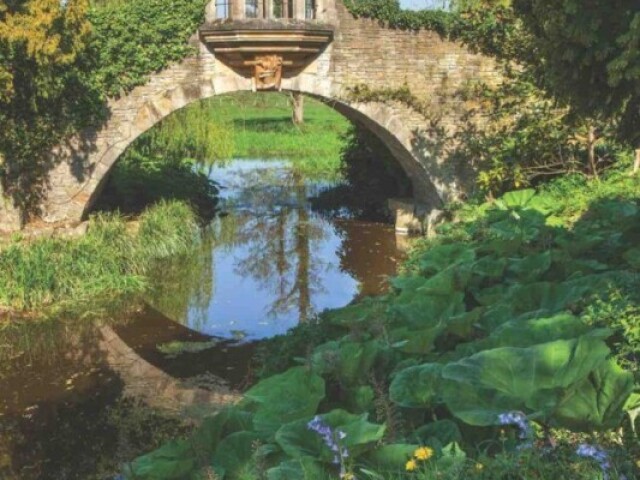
(519, 420)
(598, 454)
(330, 438)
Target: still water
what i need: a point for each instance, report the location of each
(79, 397)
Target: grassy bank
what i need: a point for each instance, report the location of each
(263, 129)
(507, 350)
(112, 259)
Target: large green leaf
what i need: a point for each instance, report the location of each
(516, 199)
(389, 458)
(298, 441)
(417, 341)
(438, 434)
(360, 312)
(283, 398)
(452, 461)
(361, 399)
(348, 361)
(441, 257)
(234, 453)
(229, 420)
(178, 458)
(521, 372)
(598, 401)
(174, 460)
(508, 378)
(490, 267)
(528, 332)
(424, 310)
(530, 267)
(417, 386)
(536, 299)
(575, 245)
(304, 468)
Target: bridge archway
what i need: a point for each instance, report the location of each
(360, 52)
(83, 179)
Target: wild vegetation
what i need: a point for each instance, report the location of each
(47, 275)
(518, 362)
(507, 349)
(550, 115)
(60, 61)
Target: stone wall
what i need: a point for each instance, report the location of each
(363, 52)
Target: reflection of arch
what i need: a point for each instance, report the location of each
(144, 380)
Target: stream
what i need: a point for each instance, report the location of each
(78, 398)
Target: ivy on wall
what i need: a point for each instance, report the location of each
(486, 26)
(389, 12)
(60, 61)
(134, 39)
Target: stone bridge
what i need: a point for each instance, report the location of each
(313, 47)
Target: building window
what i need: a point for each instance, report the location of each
(283, 8)
(223, 9)
(309, 9)
(251, 8)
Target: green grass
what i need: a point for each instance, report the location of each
(263, 129)
(110, 260)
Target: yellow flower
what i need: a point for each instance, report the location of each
(479, 466)
(423, 453)
(348, 476)
(411, 465)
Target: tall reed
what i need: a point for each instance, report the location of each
(110, 260)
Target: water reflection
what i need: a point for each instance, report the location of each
(79, 397)
(275, 261)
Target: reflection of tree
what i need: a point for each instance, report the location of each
(278, 233)
(62, 411)
(369, 253)
(53, 378)
(184, 285)
(303, 271)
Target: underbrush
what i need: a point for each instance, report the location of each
(506, 350)
(110, 260)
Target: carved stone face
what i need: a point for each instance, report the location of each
(268, 72)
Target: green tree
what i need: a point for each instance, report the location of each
(586, 54)
(42, 93)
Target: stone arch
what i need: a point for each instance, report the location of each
(76, 183)
(361, 51)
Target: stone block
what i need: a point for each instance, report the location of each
(406, 218)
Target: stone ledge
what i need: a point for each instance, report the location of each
(265, 24)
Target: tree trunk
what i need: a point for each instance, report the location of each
(297, 100)
(592, 139)
(636, 163)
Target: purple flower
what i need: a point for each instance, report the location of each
(519, 420)
(331, 439)
(596, 453)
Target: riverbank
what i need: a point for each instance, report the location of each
(509, 343)
(49, 275)
(263, 128)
